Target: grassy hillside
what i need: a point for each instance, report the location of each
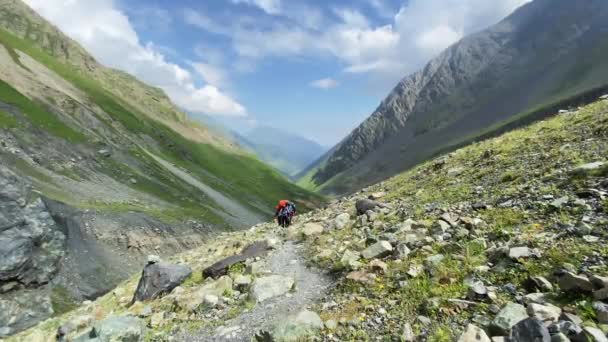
(239, 175)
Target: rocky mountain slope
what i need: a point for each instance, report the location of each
(98, 170)
(544, 52)
(287, 152)
(505, 238)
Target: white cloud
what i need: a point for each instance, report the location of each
(107, 33)
(212, 74)
(268, 6)
(324, 83)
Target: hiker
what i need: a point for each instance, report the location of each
(285, 211)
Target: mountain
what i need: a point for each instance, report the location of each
(512, 247)
(98, 170)
(546, 51)
(285, 151)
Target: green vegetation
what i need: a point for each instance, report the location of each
(7, 120)
(12, 53)
(37, 115)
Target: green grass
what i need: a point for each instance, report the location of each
(7, 120)
(12, 53)
(37, 115)
(61, 300)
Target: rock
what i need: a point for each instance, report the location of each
(242, 282)
(538, 298)
(157, 320)
(407, 333)
(210, 300)
(587, 168)
(545, 313)
(104, 152)
(271, 286)
(255, 268)
(299, 327)
(568, 317)
(559, 338)
(559, 203)
(530, 330)
(509, 315)
(538, 284)
(377, 195)
(360, 277)
(193, 301)
(440, 227)
(116, 329)
(601, 312)
(433, 261)
(424, 320)
(342, 220)
(364, 205)
(312, 229)
(604, 97)
(598, 281)
(153, 259)
(517, 253)
(220, 268)
(455, 172)
(402, 251)
(474, 334)
(591, 334)
(571, 282)
(377, 250)
(449, 219)
(350, 260)
(331, 325)
(159, 279)
(601, 294)
(377, 266)
(569, 329)
(477, 291)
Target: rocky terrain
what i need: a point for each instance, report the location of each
(98, 170)
(543, 53)
(503, 240)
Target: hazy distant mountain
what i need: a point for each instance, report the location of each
(283, 150)
(545, 51)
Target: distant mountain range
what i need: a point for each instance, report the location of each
(546, 51)
(287, 152)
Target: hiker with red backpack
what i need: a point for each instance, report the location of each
(285, 212)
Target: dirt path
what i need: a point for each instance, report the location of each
(311, 285)
(237, 214)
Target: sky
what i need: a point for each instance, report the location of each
(313, 67)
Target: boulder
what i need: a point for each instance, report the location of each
(220, 268)
(528, 330)
(601, 312)
(559, 338)
(116, 329)
(192, 301)
(517, 253)
(598, 281)
(242, 282)
(350, 260)
(591, 334)
(299, 327)
(545, 313)
(158, 279)
(377, 250)
(342, 220)
(377, 266)
(311, 229)
(474, 334)
(587, 168)
(271, 286)
(571, 282)
(509, 315)
(477, 291)
(365, 205)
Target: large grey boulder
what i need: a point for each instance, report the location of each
(510, 315)
(571, 282)
(364, 205)
(158, 279)
(530, 330)
(116, 329)
(271, 286)
(220, 268)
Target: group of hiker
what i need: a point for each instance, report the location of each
(285, 211)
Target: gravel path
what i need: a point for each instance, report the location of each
(311, 285)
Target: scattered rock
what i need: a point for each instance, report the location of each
(116, 329)
(299, 327)
(158, 279)
(517, 253)
(545, 313)
(220, 268)
(271, 286)
(571, 282)
(342, 220)
(312, 229)
(601, 312)
(587, 168)
(510, 315)
(377, 266)
(377, 250)
(360, 277)
(364, 205)
(474, 334)
(528, 330)
(242, 282)
(377, 195)
(350, 260)
(591, 334)
(407, 333)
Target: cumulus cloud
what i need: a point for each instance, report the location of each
(418, 31)
(107, 33)
(324, 83)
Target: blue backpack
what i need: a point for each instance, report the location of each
(288, 210)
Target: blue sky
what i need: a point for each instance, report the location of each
(316, 68)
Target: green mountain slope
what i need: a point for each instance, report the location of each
(121, 170)
(545, 52)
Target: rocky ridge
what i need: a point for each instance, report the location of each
(504, 240)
